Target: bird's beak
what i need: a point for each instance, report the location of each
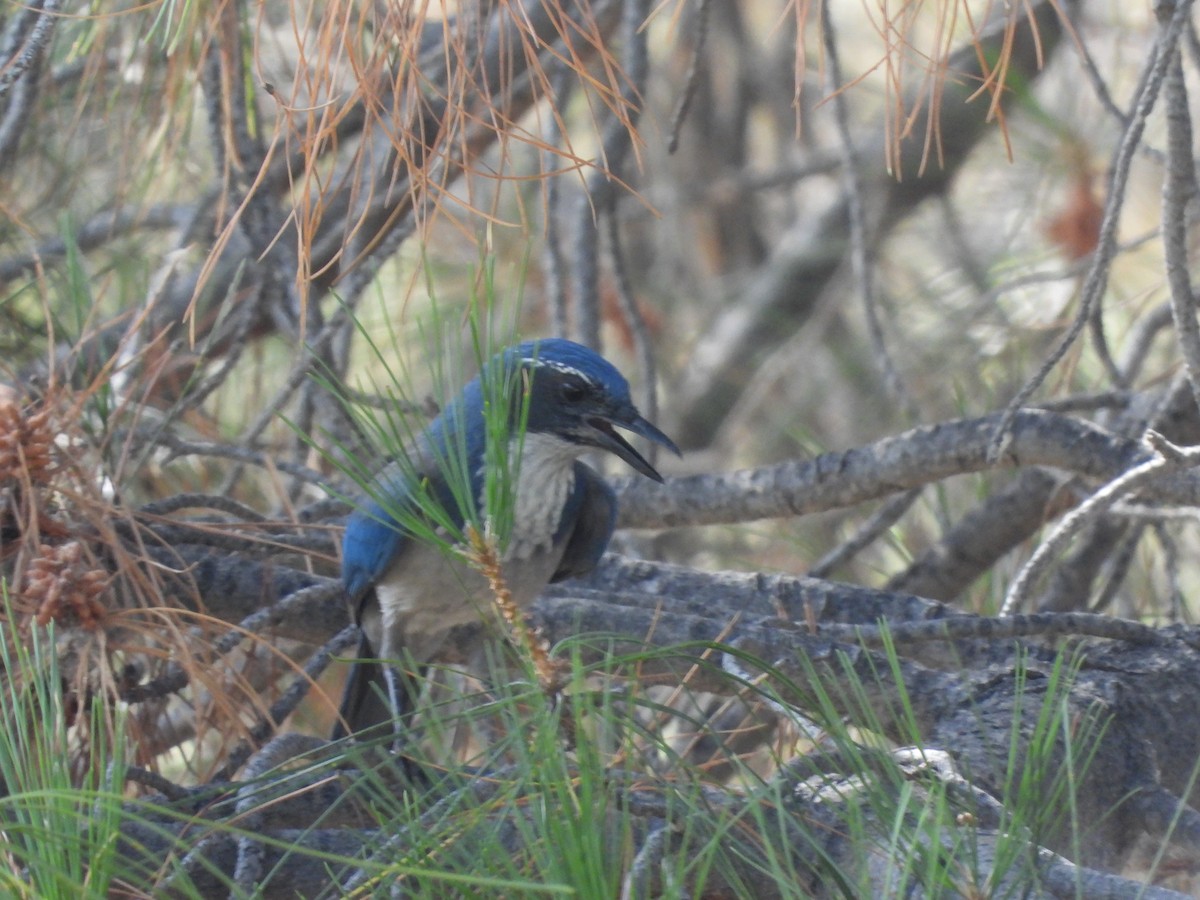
(605, 436)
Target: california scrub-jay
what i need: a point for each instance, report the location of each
(407, 593)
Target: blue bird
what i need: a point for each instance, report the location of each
(407, 593)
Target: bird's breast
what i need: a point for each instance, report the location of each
(428, 590)
(544, 484)
(433, 589)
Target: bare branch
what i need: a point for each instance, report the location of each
(893, 465)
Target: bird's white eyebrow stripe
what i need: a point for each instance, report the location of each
(562, 367)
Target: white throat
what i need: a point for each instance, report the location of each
(545, 481)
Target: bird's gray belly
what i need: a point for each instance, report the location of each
(433, 590)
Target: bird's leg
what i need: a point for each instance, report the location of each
(403, 691)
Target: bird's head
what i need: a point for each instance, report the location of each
(577, 396)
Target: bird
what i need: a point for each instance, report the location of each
(405, 591)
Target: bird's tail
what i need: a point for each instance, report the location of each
(365, 698)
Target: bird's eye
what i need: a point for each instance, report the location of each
(572, 392)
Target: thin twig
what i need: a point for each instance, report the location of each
(860, 257)
(31, 30)
(1168, 458)
(157, 782)
(692, 79)
(287, 703)
(880, 521)
(221, 503)
(32, 42)
(16, 115)
(1170, 551)
(1096, 79)
(618, 139)
(102, 227)
(1101, 348)
(1118, 568)
(1179, 187)
(1142, 334)
(634, 319)
(1084, 402)
(179, 447)
(176, 678)
(554, 260)
(1097, 277)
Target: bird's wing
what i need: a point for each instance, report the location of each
(372, 541)
(591, 516)
(370, 544)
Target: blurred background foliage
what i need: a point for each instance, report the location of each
(799, 227)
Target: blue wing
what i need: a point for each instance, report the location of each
(371, 541)
(591, 516)
(374, 536)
